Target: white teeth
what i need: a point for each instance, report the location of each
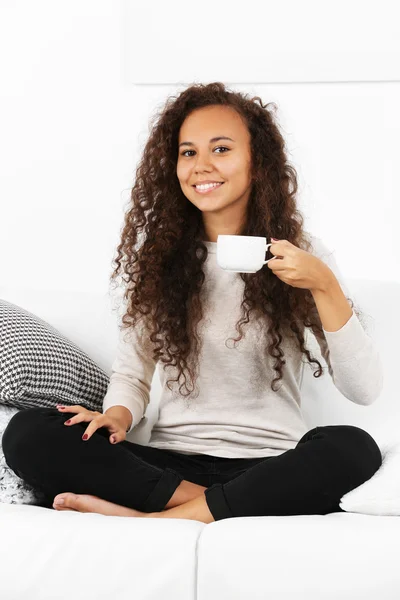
(207, 186)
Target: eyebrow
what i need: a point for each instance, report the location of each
(214, 139)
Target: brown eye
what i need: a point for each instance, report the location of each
(217, 148)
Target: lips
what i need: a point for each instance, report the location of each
(206, 182)
(210, 189)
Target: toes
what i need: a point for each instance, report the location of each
(65, 501)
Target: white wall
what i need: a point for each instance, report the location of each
(80, 80)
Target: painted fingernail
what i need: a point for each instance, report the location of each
(61, 407)
(67, 422)
(85, 437)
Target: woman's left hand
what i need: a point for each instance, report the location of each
(298, 268)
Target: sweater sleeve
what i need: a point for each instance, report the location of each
(351, 355)
(132, 374)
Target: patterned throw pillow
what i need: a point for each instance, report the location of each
(41, 367)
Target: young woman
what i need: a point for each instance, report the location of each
(230, 439)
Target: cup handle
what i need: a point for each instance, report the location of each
(266, 248)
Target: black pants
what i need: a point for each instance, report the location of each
(327, 463)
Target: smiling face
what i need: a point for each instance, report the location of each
(227, 161)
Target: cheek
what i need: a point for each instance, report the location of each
(236, 168)
(182, 173)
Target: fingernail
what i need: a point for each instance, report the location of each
(67, 422)
(113, 440)
(59, 501)
(85, 437)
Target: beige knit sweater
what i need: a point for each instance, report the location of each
(236, 414)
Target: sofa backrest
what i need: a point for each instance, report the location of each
(91, 321)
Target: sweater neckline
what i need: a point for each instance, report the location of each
(211, 247)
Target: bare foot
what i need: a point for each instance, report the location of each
(88, 503)
(195, 509)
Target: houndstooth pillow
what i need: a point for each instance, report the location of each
(41, 367)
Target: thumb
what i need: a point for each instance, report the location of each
(117, 433)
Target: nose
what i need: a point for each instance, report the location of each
(202, 162)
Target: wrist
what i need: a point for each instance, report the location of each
(326, 283)
(122, 414)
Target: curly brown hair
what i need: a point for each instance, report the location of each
(162, 252)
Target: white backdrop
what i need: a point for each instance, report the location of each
(81, 79)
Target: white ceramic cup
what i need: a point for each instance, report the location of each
(242, 253)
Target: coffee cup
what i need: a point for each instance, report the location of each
(242, 253)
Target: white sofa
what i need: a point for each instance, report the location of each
(52, 555)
